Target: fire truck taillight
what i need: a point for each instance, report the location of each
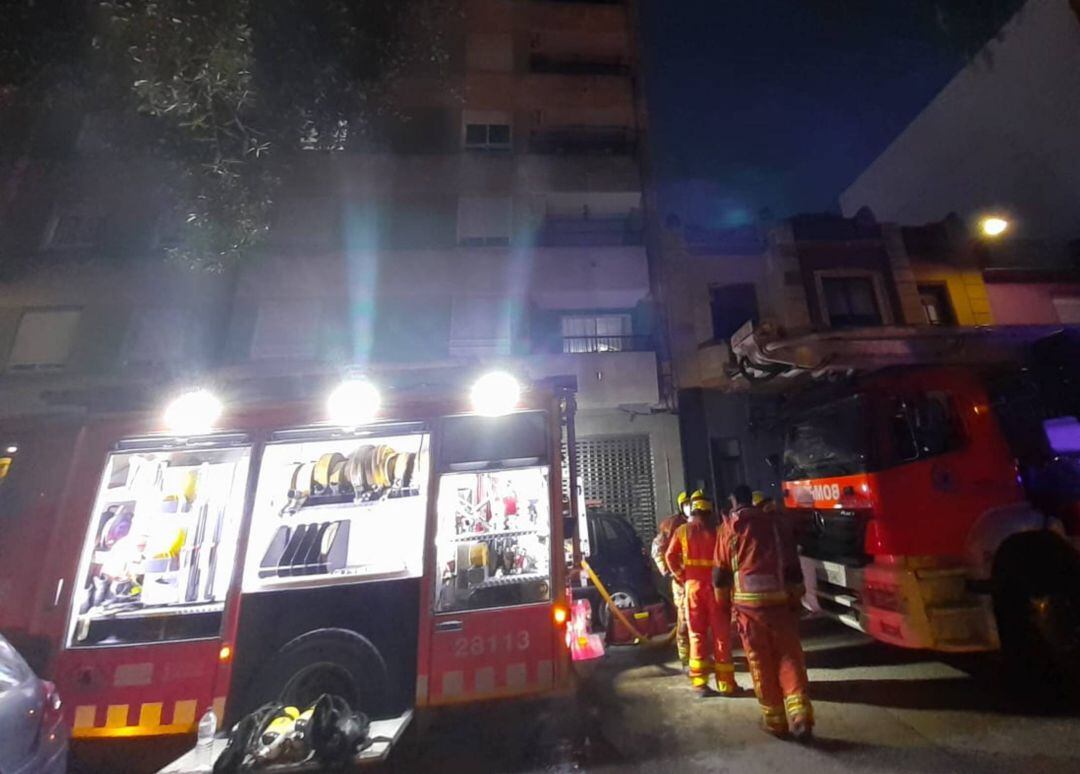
(225, 653)
(353, 403)
(560, 615)
(193, 413)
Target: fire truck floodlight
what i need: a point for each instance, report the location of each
(193, 413)
(495, 394)
(354, 402)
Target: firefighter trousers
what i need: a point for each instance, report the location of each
(770, 637)
(710, 636)
(682, 630)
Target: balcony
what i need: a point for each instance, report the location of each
(605, 379)
(604, 140)
(574, 345)
(589, 232)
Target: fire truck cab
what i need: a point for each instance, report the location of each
(934, 477)
(403, 557)
(938, 506)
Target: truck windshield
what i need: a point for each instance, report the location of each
(827, 442)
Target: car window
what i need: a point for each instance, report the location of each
(613, 534)
(13, 670)
(624, 533)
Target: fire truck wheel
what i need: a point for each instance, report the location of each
(336, 661)
(1037, 606)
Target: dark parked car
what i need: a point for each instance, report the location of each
(33, 739)
(622, 563)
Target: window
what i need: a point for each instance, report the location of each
(74, 228)
(851, 302)
(157, 335)
(732, 307)
(480, 325)
(924, 426)
(285, 328)
(162, 542)
(935, 304)
(487, 136)
(44, 339)
(597, 333)
(484, 221)
(829, 441)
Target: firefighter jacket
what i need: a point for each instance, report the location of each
(691, 551)
(663, 540)
(756, 559)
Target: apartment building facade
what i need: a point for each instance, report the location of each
(497, 219)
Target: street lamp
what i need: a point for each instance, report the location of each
(993, 226)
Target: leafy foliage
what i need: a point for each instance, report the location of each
(226, 91)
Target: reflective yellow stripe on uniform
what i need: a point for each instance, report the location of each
(697, 563)
(775, 717)
(798, 704)
(752, 598)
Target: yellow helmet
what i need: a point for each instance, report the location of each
(701, 504)
(757, 498)
(682, 498)
(697, 494)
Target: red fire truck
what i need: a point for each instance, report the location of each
(939, 506)
(405, 556)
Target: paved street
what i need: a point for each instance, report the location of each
(878, 708)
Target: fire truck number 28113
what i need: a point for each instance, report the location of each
(404, 556)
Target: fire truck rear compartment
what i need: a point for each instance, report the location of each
(316, 638)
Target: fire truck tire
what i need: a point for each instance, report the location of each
(1037, 606)
(335, 661)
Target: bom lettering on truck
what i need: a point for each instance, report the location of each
(825, 492)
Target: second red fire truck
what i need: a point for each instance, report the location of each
(940, 505)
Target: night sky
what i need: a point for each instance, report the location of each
(780, 104)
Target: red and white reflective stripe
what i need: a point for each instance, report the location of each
(488, 682)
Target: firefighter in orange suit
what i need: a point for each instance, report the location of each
(690, 557)
(659, 553)
(757, 564)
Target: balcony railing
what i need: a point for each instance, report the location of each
(589, 232)
(587, 344)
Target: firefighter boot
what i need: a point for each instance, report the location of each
(725, 680)
(800, 714)
(774, 721)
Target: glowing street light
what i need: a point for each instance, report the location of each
(354, 402)
(193, 413)
(993, 226)
(495, 394)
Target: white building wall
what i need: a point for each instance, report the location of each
(1003, 135)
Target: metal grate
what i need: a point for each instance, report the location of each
(617, 475)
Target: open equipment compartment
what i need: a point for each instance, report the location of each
(333, 566)
(159, 551)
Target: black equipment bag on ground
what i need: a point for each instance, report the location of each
(332, 734)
